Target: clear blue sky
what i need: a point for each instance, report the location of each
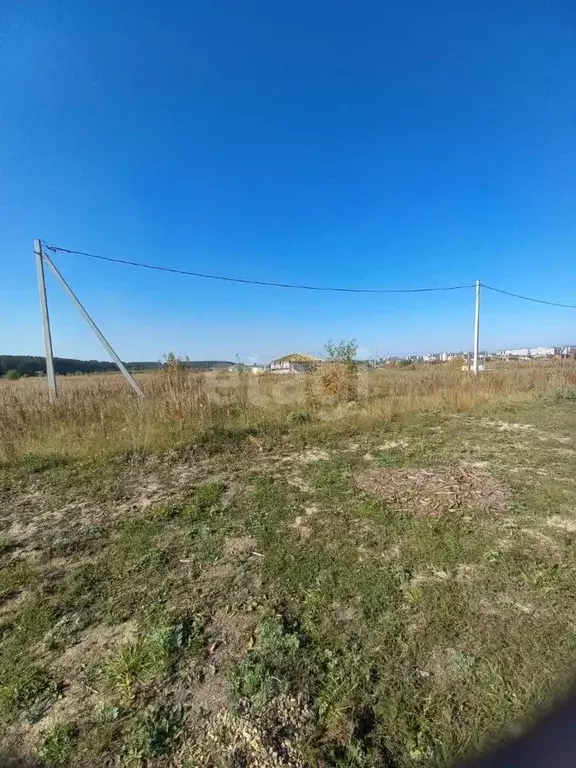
(361, 143)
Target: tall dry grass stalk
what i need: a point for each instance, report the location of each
(99, 414)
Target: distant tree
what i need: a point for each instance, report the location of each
(342, 352)
(172, 363)
(12, 375)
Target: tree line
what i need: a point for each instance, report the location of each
(29, 365)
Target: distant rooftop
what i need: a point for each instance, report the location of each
(296, 357)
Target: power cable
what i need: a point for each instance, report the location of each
(189, 273)
(157, 267)
(528, 298)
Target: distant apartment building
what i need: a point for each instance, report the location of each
(438, 357)
(530, 352)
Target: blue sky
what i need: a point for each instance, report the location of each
(343, 143)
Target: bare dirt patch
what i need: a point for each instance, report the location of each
(449, 664)
(94, 643)
(240, 545)
(13, 601)
(301, 528)
(299, 483)
(232, 630)
(541, 538)
(435, 492)
(562, 523)
(390, 444)
(78, 696)
(312, 455)
(505, 426)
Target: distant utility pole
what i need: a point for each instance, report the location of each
(51, 376)
(476, 328)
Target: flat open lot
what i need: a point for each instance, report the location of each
(291, 597)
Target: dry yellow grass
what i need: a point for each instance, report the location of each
(100, 414)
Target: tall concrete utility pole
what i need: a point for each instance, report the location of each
(50, 374)
(104, 341)
(476, 328)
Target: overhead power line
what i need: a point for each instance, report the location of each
(296, 286)
(529, 298)
(189, 273)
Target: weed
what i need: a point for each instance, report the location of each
(154, 560)
(130, 665)
(156, 732)
(29, 691)
(15, 576)
(151, 655)
(166, 511)
(339, 376)
(563, 394)
(58, 745)
(108, 713)
(265, 673)
(253, 682)
(391, 459)
(206, 499)
(299, 417)
(340, 694)
(63, 633)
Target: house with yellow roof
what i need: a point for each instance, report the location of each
(294, 363)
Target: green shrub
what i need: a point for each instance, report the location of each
(299, 417)
(562, 394)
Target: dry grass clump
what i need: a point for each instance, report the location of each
(435, 492)
(99, 413)
(339, 381)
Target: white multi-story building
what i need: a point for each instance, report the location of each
(530, 352)
(544, 351)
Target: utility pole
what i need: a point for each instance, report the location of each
(50, 374)
(476, 328)
(105, 343)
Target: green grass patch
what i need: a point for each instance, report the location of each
(155, 733)
(281, 588)
(58, 745)
(160, 644)
(27, 692)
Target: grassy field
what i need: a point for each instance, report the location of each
(98, 414)
(271, 580)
